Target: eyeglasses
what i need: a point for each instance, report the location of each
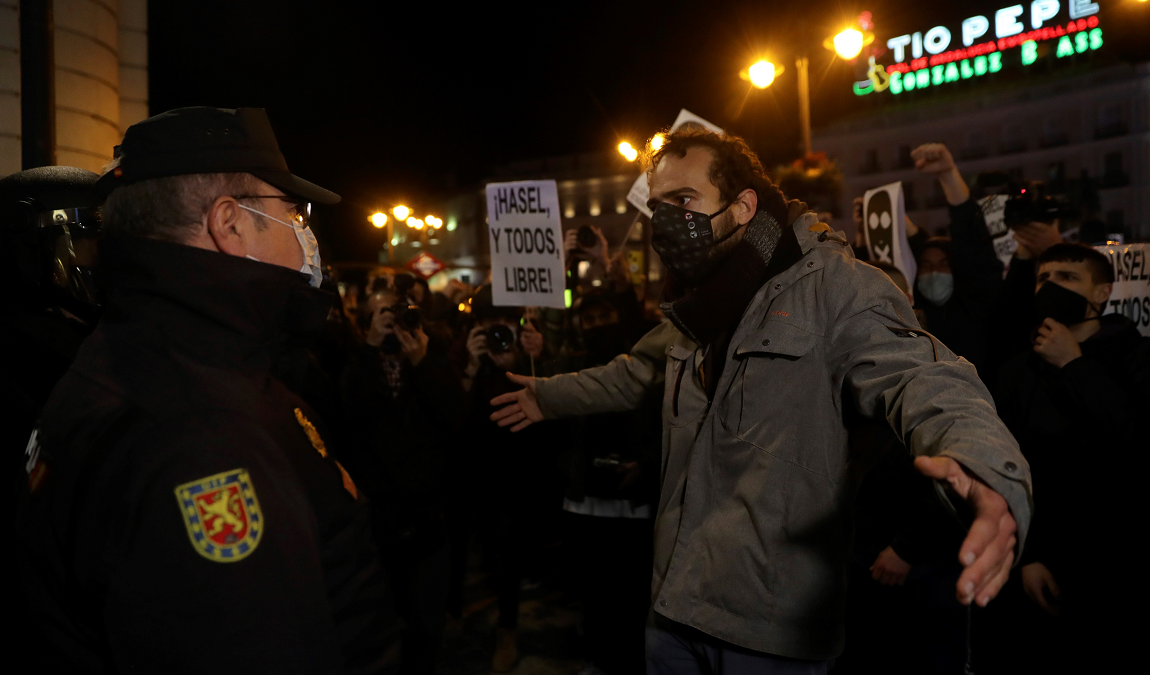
(301, 209)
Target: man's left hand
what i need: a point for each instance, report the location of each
(987, 554)
(413, 344)
(1056, 343)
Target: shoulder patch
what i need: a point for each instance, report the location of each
(222, 515)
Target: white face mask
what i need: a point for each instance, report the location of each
(307, 244)
(936, 287)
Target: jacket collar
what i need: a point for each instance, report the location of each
(208, 303)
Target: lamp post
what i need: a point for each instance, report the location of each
(846, 44)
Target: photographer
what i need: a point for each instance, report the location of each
(1079, 393)
(404, 402)
(502, 484)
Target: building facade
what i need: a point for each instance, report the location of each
(1093, 125)
(101, 79)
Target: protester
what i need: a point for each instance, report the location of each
(181, 498)
(772, 326)
(1082, 389)
(404, 404)
(959, 275)
(612, 484)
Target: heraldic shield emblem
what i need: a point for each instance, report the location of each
(222, 515)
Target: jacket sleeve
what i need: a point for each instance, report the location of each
(169, 604)
(932, 400)
(619, 385)
(977, 269)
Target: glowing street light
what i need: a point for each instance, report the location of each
(848, 43)
(628, 152)
(401, 212)
(434, 222)
(657, 141)
(762, 74)
(415, 223)
(379, 220)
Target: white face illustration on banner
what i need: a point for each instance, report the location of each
(880, 220)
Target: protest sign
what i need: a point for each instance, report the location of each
(526, 243)
(884, 220)
(640, 193)
(1131, 294)
(994, 213)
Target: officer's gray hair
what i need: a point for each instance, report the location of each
(172, 208)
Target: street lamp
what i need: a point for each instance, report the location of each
(415, 223)
(628, 152)
(401, 212)
(847, 45)
(378, 220)
(433, 222)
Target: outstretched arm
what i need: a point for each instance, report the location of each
(938, 407)
(619, 385)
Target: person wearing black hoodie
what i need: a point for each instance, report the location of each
(1079, 395)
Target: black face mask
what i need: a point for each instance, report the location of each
(605, 343)
(1061, 304)
(684, 239)
(391, 344)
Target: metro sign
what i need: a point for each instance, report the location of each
(425, 265)
(926, 60)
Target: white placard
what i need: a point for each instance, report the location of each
(994, 213)
(526, 242)
(1131, 294)
(640, 193)
(884, 222)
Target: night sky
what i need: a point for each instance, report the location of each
(407, 102)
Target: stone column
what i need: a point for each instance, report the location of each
(87, 82)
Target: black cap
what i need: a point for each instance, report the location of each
(207, 140)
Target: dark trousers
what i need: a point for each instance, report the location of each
(675, 649)
(613, 558)
(420, 584)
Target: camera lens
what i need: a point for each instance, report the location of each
(500, 339)
(586, 236)
(408, 317)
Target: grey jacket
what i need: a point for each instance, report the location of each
(754, 521)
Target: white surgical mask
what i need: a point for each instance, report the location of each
(936, 286)
(307, 244)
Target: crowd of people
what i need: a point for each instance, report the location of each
(399, 387)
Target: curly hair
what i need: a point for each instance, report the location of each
(735, 166)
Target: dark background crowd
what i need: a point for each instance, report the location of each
(404, 376)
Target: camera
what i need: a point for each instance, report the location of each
(500, 339)
(586, 237)
(1030, 204)
(406, 316)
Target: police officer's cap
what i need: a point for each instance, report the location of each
(207, 140)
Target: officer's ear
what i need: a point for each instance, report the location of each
(227, 225)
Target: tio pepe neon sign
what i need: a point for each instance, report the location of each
(931, 63)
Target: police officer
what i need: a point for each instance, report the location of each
(183, 508)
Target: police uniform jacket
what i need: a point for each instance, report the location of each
(184, 511)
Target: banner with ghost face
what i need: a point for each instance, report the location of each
(884, 222)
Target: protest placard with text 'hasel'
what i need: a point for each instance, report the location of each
(884, 221)
(1131, 293)
(526, 243)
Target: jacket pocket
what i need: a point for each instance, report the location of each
(784, 395)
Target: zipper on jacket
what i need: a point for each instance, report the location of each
(678, 383)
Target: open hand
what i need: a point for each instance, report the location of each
(889, 569)
(1034, 238)
(1036, 581)
(987, 553)
(519, 407)
(1056, 344)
